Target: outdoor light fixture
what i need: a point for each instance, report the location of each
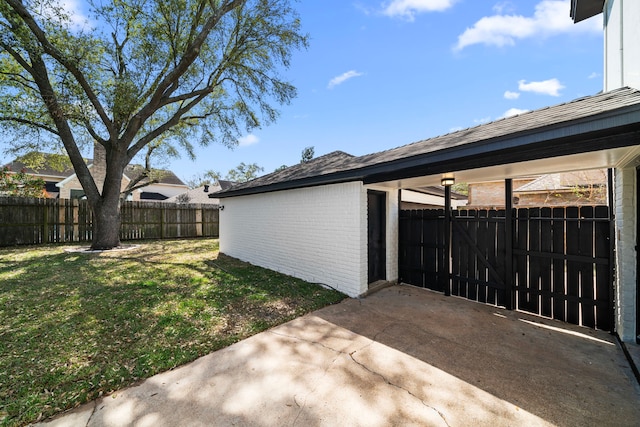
(221, 207)
(447, 180)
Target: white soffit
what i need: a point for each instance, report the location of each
(618, 157)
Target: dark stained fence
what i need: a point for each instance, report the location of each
(478, 255)
(421, 256)
(26, 221)
(562, 259)
(563, 264)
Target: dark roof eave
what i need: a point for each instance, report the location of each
(470, 159)
(593, 133)
(456, 159)
(327, 179)
(585, 9)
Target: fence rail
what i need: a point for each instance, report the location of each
(557, 262)
(27, 221)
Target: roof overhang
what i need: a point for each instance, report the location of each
(602, 131)
(584, 9)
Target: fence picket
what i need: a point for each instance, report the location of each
(28, 221)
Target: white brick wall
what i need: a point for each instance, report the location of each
(318, 234)
(625, 287)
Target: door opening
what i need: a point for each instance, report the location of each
(376, 235)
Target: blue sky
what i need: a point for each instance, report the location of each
(379, 74)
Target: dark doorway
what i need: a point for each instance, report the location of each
(376, 208)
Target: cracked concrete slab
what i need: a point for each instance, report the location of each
(402, 356)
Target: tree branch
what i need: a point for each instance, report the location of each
(21, 10)
(174, 120)
(168, 84)
(41, 78)
(28, 123)
(23, 63)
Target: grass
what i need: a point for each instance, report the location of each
(74, 327)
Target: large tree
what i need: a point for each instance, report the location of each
(142, 73)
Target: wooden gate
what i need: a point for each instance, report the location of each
(561, 265)
(478, 250)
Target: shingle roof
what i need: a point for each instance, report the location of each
(323, 165)
(225, 185)
(565, 181)
(165, 176)
(17, 165)
(515, 136)
(131, 171)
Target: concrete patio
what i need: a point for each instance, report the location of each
(402, 356)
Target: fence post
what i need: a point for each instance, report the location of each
(199, 220)
(162, 218)
(447, 240)
(45, 222)
(508, 241)
(76, 221)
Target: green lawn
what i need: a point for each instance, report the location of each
(76, 326)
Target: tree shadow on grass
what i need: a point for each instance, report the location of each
(75, 327)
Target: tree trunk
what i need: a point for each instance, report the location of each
(106, 225)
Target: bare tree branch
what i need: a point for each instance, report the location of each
(40, 35)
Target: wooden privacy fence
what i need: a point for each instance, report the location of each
(27, 221)
(560, 263)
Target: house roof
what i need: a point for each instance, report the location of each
(600, 122)
(166, 176)
(584, 9)
(225, 185)
(46, 170)
(131, 171)
(565, 181)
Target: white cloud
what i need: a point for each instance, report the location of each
(505, 6)
(512, 112)
(511, 95)
(248, 140)
(551, 17)
(343, 78)
(593, 75)
(550, 87)
(482, 120)
(77, 20)
(409, 8)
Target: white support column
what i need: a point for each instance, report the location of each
(625, 235)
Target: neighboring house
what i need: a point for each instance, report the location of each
(201, 194)
(49, 175)
(64, 184)
(588, 187)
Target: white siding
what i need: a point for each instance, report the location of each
(625, 211)
(622, 50)
(318, 234)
